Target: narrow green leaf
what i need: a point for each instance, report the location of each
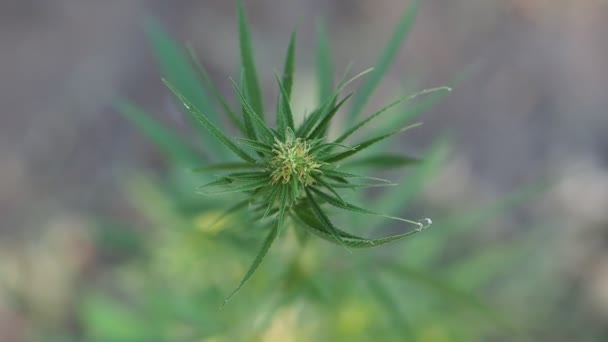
(307, 217)
(243, 186)
(285, 113)
(218, 182)
(323, 219)
(170, 143)
(271, 199)
(338, 202)
(252, 86)
(249, 128)
(387, 107)
(321, 148)
(235, 208)
(222, 166)
(313, 120)
(329, 187)
(255, 145)
(208, 124)
(295, 189)
(321, 129)
(283, 203)
(313, 225)
(339, 174)
(385, 161)
(360, 186)
(429, 101)
(267, 134)
(367, 143)
(247, 175)
(386, 58)
(324, 68)
(204, 75)
(285, 116)
(176, 68)
(272, 235)
(411, 183)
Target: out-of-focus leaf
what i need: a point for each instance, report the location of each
(212, 128)
(384, 161)
(386, 58)
(251, 83)
(272, 235)
(323, 65)
(178, 71)
(164, 138)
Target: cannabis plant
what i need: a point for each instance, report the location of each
(291, 172)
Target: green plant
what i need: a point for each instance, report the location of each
(294, 171)
(390, 294)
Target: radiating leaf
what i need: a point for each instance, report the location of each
(323, 65)
(332, 173)
(285, 115)
(323, 219)
(233, 209)
(207, 80)
(340, 203)
(267, 134)
(272, 235)
(313, 225)
(384, 161)
(387, 107)
(209, 125)
(241, 186)
(252, 85)
(247, 121)
(255, 145)
(321, 129)
(222, 166)
(339, 156)
(271, 199)
(247, 175)
(411, 183)
(314, 119)
(386, 58)
(170, 143)
(178, 71)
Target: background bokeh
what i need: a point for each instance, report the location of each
(532, 109)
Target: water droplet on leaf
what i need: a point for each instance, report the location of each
(424, 223)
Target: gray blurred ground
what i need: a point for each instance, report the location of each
(534, 106)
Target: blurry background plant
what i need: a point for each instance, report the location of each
(103, 239)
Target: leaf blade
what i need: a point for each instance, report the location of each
(252, 84)
(165, 139)
(323, 64)
(270, 238)
(387, 107)
(204, 75)
(285, 115)
(386, 58)
(367, 143)
(209, 125)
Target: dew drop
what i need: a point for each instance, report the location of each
(424, 223)
(187, 107)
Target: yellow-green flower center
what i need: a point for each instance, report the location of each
(292, 158)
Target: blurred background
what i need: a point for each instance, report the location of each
(77, 179)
